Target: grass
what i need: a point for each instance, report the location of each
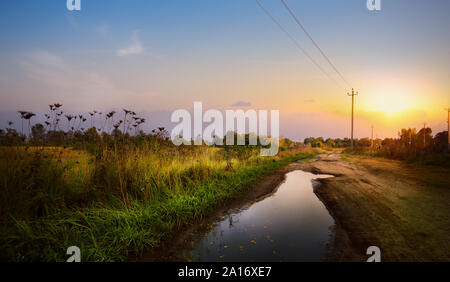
(116, 201)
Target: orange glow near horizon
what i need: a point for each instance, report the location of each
(391, 103)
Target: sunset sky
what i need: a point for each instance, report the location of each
(157, 56)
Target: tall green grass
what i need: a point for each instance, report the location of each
(115, 201)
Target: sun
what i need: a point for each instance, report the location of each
(391, 102)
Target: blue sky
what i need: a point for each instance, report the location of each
(156, 56)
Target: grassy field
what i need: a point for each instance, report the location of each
(113, 202)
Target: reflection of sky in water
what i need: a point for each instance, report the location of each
(291, 225)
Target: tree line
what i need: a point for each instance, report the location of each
(409, 144)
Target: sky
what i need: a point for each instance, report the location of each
(156, 56)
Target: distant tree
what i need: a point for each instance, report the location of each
(37, 133)
(407, 136)
(427, 133)
(314, 142)
(56, 137)
(364, 142)
(330, 143)
(91, 135)
(12, 138)
(440, 141)
(308, 141)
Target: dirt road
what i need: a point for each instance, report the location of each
(403, 209)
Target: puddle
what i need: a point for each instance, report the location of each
(290, 225)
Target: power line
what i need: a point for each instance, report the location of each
(314, 42)
(294, 41)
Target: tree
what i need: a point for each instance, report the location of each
(440, 141)
(38, 133)
(330, 143)
(364, 142)
(91, 135)
(12, 138)
(424, 135)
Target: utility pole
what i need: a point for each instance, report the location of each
(448, 128)
(424, 127)
(371, 138)
(410, 136)
(353, 105)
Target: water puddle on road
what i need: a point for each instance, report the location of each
(290, 225)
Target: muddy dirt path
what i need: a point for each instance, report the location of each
(403, 209)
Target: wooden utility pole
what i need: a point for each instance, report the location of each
(371, 138)
(424, 128)
(448, 128)
(410, 136)
(353, 106)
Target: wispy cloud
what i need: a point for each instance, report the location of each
(134, 49)
(241, 104)
(59, 80)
